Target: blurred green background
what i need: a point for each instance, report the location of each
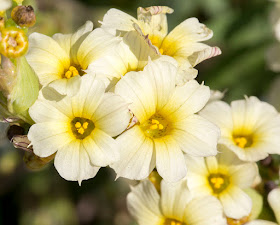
(242, 29)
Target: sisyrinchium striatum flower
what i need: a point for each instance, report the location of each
(60, 61)
(183, 42)
(224, 177)
(79, 129)
(250, 127)
(167, 125)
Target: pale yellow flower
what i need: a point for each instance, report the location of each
(79, 129)
(167, 125)
(223, 176)
(250, 127)
(61, 60)
(131, 54)
(175, 206)
(183, 42)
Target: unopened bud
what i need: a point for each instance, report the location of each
(24, 16)
(14, 42)
(35, 162)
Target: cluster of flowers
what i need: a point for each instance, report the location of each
(125, 96)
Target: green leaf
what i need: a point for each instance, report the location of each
(26, 90)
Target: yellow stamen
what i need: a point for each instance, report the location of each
(78, 125)
(217, 181)
(241, 141)
(160, 126)
(85, 125)
(68, 74)
(173, 222)
(154, 127)
(161, 51)
(71, 72)
(155, 121)
(81, 130)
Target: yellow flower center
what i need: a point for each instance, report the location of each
(241, 221)
(155, 127)
(218, 182)
(71, 72)
(172, 222)
(14, 42)
(156, 41)
(81, 127)
(243, 141)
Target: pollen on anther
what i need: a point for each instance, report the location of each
(85, 125)
(78, 125)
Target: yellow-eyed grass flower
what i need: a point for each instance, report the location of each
(79, 129)
(60, 61)
(131, 54)
(167, 125)
(250, 127)
(174, 206)
(224, 177)
(183, 42)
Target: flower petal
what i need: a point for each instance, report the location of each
(174, 199)
(204, 210)
(189, 31)
(236, 202)
(137, 88)
(137, 156)
(143, 204)
(72, 163)
(96, 44)
(153, 22)
(187, 100)
(90, 94)
(49, 111)
(47, 58)
(49, 137)
(67, 41)
(219, 113)
(170, 161)
(115, 22)
(273, 200)
(196, 136)
(112, 115)
(101, 148)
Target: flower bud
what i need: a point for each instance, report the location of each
(35, 162)
(24, 16)
(14, 42)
